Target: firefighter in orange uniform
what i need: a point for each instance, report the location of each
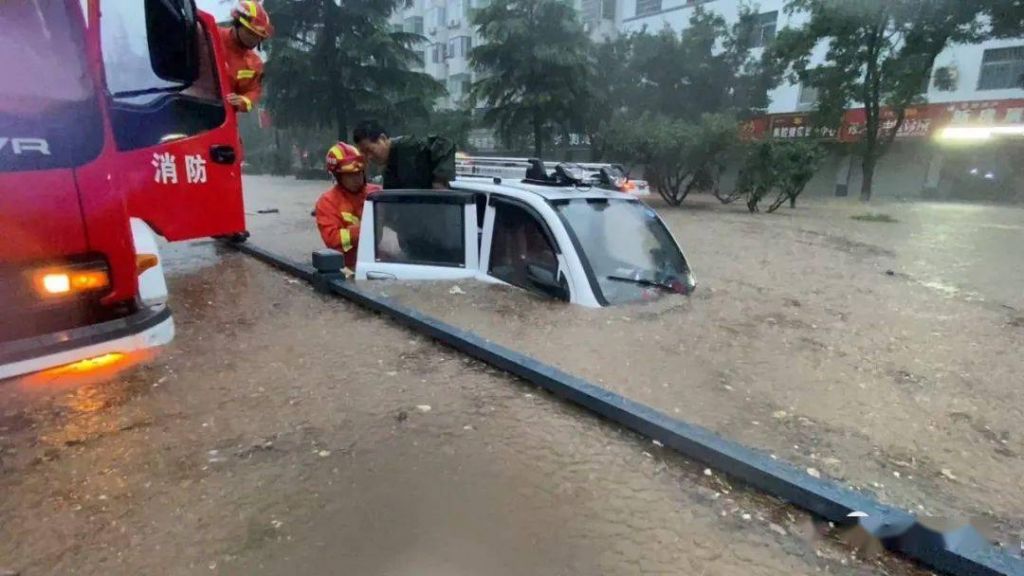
(250, 26)
(339, 209)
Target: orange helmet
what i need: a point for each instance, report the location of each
(252, 15)
(344, 158)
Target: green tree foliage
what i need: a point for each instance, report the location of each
(880, 53)
(782, 168)
(688, 90)
(678, 155)
(708, 68)
(533, 67)
(333, 63)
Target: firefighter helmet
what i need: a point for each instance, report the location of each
(344, 158)
(253, 15)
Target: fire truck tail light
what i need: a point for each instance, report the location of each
(55, 283)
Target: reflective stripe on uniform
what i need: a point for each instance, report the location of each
(247, 102)
(336, 152)
(252, 10)
(350, 218)
(246, 74)
(346, 240)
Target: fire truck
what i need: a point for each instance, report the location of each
(113, 132)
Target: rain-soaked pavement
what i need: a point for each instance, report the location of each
(884, 355)
(285, 432)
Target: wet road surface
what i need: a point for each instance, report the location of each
(884, 355)
(287, 433)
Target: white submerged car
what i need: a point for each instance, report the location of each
(572, 242)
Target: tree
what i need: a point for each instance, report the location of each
(880, 53)
(773, 166)
(332, 63)
(687, 90)
(533, 67)
(678, 156)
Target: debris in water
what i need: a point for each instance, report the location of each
(268, 211)
(948, 473)
(467, 427)
(402, 416)
(896, 473)
(423, 408)
(707, 471)
(456, 290)
(323, 453)
(746, 517)
(777, 529)
(779, 414)
(276, 524)
(657, 443)
(890, 272)
(814, 472)
(6, 572)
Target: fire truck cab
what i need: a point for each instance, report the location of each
(113, 131)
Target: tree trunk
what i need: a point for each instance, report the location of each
(792, 201)
(341, 121)
(538, 136)
(868, 177)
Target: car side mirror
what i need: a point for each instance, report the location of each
(546, 280)
(172, 29)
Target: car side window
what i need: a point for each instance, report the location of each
(419, 233)
(519, 241)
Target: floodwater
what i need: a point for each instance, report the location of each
(884, 355)
(288, 433)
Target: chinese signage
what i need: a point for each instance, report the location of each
(167, 169)
(919, 121)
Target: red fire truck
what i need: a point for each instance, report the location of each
(113, 131)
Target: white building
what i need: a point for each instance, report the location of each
(986, 91)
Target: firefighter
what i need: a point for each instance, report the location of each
(407, 162)
(250, 27)
(339, 209)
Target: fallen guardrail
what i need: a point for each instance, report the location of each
(963, 551)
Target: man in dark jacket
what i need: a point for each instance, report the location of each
(407, 162)
(432, 232)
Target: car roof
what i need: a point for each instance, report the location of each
(519, 188)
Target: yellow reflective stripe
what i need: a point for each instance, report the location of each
(336, 151)
(350, 218)
(346, 240)
(247, 102)
(246, 74)
(252, 9)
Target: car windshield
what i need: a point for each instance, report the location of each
(627, 247)
(48, 100)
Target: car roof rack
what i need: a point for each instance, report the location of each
(517, 168)
(537, 172)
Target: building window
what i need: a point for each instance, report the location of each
(764, 29)
(1002, 68)
(459, 47)
(414, 25)
(808, 97)
(437, 53)
(646, 7)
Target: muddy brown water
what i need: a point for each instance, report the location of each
(883, 355)
(284, 432)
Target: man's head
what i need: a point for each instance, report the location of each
(371, 139)
(347, 165)
(252, 23)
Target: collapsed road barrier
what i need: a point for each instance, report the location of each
(962, 551)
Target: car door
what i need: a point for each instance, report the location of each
(418, 235)
(522, 250)
(178, 150)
